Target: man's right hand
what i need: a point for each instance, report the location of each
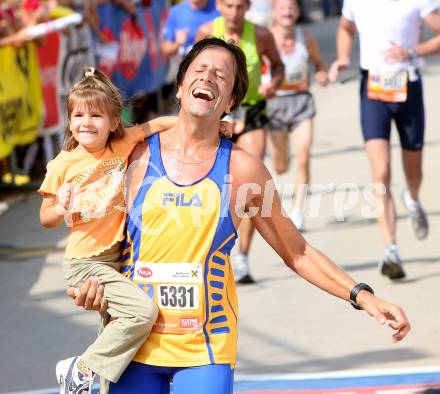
(90, 296)
(336, 67)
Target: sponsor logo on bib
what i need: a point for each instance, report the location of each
(189, 322)
(144, 272)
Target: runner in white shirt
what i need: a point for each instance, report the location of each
(391, 90)
(260, 12)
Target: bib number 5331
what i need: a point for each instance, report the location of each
(178, 297)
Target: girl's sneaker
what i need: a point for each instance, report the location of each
(74, 378)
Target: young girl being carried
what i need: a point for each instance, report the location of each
(84, 186)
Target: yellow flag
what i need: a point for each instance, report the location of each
(21, 102)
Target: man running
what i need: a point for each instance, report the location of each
(256, 42)
(187, 188)
(391, 90)
(292, 109)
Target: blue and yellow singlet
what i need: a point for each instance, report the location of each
(177, 249)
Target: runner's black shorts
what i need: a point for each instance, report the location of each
(409, 116)
(256, 118)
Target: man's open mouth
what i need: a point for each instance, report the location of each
(203, 94)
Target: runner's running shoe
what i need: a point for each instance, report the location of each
(74, 379)
(392, 265)
(240, 266)
(246, 280)
(417, 217)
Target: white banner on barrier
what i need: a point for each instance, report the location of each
(43, 29)
(63, 58)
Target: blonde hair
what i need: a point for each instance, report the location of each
(95, 90)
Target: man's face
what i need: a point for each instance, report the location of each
(233, 11)
(198, 4)
(285, 12)
(207, 86)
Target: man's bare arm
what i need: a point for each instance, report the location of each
(268, 49)
(344, 45)
(170, 48)
(316, 59)
(279, 231)
(431, 46)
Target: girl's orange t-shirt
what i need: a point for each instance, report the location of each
(96, 218)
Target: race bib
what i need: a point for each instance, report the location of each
(391, 88)
(176, 289)
(298, 82)
(178, 297)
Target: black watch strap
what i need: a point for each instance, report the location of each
(355, 291)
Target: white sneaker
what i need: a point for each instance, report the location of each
(72, 380)
(392, 264)
(298, 219)
(417, 217)
(240, 266)
(407, 200)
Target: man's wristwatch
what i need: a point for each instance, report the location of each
(355, 291)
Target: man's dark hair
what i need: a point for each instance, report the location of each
(241, 80)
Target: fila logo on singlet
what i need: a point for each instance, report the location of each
(180, 200)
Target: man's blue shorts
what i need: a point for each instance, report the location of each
(409, 116)
(149, 379)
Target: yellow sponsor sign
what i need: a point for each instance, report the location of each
(21, 101)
